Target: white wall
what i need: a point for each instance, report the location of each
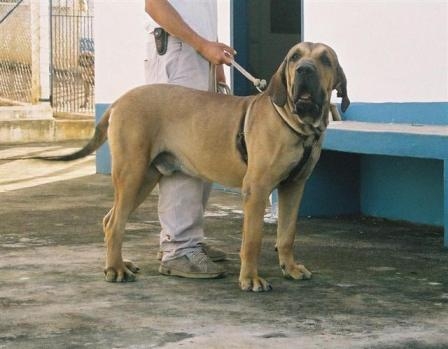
(119, 47)
(224, 32)
(120, 41)
(391, 51)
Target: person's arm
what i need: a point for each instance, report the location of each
(167, 17)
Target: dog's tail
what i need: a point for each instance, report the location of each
(99, 137)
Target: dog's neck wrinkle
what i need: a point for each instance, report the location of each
(296, 124)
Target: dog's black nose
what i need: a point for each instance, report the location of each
(306, 69)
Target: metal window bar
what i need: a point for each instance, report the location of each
(72, 56)
(11, 10)
(15, 52)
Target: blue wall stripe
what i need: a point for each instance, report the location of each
(102, 154)
(445, 179)
(431, 113)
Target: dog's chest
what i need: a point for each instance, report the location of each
(309, 155)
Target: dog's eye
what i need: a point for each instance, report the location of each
(325, 60)
(295, 57)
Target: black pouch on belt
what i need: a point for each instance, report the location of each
(161, 37)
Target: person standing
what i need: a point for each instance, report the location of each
(182, 43)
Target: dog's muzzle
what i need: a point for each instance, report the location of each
(308, 96)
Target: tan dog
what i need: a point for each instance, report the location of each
(271, 140)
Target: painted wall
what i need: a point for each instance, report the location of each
(395, 56)
(119, 47)
(403, 188)
(392, 51)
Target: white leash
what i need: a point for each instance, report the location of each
(260, 84)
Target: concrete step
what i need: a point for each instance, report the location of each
(35, 123)
(19, 112)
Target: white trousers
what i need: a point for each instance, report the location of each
(182, 199)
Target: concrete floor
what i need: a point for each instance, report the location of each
(376, 284)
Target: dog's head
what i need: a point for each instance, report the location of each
(305, 80)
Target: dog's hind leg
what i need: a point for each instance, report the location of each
(151, 178)
(290, 195)
(129, 179)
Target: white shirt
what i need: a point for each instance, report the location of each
(200, 15)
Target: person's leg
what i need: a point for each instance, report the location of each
(180, 214)
(182, 199)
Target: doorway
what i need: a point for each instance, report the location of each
(263, 32)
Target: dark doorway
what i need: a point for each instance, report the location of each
(263, 32)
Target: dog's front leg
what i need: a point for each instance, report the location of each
(254, 203)
(290, 196)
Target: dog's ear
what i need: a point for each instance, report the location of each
(277, 88)
(341, 87)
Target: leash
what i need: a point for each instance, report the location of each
(260, 84)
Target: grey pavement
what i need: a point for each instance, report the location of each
(24, 173)
(376, 284)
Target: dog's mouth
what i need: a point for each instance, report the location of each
(307, 95)
(307, 103)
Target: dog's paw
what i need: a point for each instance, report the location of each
(131, 266)
(255, 284)
(296, 272)
(126, 273)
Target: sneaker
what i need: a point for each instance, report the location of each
(215, 254)
(195, 265)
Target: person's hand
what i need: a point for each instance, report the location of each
(216, 53)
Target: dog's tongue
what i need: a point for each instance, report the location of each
(306, 96)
